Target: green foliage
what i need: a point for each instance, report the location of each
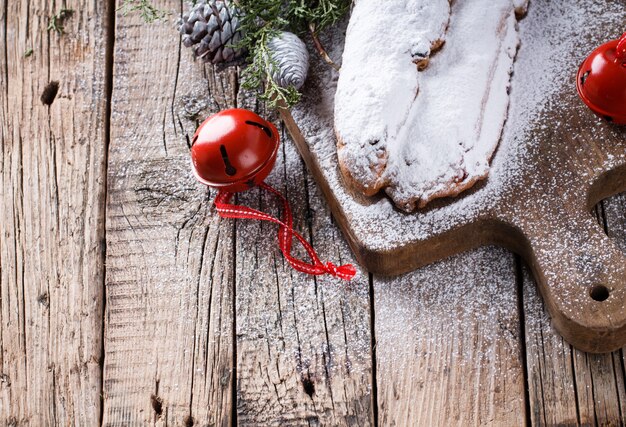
(319, 14)
(258, 75)
(56, 22)
(261, 20)
(148, 11)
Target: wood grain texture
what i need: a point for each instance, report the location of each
(567, 386)
(52, 213)
(551, 381)
(448, 343)
(614, 218)
(303, 343)
(205, 323)
(169, 268)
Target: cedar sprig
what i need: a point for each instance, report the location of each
(258, 75)
(56, 22)
(146, 9)
(320, 13)
(261, 20)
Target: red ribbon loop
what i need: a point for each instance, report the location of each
(286, 233)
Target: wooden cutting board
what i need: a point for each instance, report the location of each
(556, 160)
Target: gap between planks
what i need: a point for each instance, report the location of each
(110, 10)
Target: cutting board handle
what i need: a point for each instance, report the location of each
(581, 274)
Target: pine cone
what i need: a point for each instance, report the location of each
(292, 60)
(211, 29)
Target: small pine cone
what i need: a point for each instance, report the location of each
(292, 60)
(211, 29)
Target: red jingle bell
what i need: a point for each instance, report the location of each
(234, 150)
(601, 81)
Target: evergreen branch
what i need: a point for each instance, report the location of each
(262, 19)
(56, 21)
(259, 22)
(258, 75)
(148, 11)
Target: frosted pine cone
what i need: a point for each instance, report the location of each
(211, 29)
(291, 58)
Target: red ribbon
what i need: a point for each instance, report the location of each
(286, 234)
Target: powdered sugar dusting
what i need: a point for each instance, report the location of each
(543, 70)
(429, 134)
(379, 81)
(561, 38)
(446, 334)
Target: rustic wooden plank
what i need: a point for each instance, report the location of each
(448, 343)
(169, 274)
(600, 396)
(551, 381)
(52, 212)
(568, 386)
(614, 215)
(303, 343)
(614, 209)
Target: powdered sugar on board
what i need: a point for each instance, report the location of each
(554, 40)
(423, 135)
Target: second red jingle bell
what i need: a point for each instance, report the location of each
(235, 150)
(601, 81)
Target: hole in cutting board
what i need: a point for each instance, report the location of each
(599, 293)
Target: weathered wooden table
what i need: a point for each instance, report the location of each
(126, 301)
